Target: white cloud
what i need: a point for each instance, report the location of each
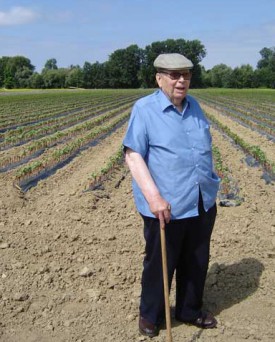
(17, 16)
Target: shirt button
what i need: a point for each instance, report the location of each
(187, 132)
(197, 165)
(197, 183)
(195, 204)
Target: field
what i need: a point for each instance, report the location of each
(71, 242)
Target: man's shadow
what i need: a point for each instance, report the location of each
(227, 285)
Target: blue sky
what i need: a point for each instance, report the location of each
(74, 31)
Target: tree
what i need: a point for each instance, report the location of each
(264, 78)
(55, 78)
(22, 77)
(51, 64)
(36, 81)
(193, 50)
(74, 77)
(87, 75)
(95, 75)
(123, 67)
(266, 68)
(205, 77)
(268, 58)
(220, 76)
(133, 67)
(242, 77)
(147, 71)
(15, 71)
(3, 63)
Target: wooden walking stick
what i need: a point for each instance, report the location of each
(165, 282)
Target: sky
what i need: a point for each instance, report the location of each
(75, 31)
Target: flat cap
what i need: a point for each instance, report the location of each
(172, 61)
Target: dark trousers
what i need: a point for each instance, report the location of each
(187, 244)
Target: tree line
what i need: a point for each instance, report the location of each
(132, 67)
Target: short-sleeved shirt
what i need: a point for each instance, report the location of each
(177, 148)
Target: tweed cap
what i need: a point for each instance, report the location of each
(172, 61)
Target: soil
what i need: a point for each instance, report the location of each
(71, 259)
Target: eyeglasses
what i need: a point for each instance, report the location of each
(177, 75)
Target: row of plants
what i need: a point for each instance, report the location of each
(37, 106)
(99, 176)
(238, 104)
(241, 109)
(260, 127)
(26, 133)
(229, 194)
(54, 156)
(40, 101)
(56, 138)
(254, 150)
(244, 106)
(221, 170)
(254, 100)
(228, 189)
(79, 119)
(63, 109)
(111, 164)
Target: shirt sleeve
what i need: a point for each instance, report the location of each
(136, 137)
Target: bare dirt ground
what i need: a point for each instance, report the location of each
(71, 260)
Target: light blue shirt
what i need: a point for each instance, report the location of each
(176, 147)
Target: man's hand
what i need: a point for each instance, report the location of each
(160, 208)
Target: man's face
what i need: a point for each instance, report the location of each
(174, 84)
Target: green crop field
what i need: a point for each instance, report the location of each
(40, 130)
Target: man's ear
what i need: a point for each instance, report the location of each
(158, 79)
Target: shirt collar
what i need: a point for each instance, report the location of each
(165, 102)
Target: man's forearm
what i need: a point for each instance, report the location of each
(158, 205)
(141, 174)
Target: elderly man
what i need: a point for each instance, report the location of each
(168, 151)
